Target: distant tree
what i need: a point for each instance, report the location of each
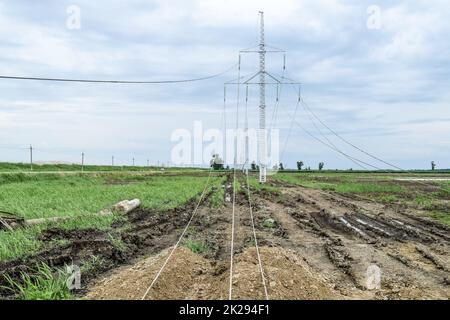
(308, 169)
(228, 167)
(433, 165)
(281, 166)
(300, 165)
(321, 165)
(253, 166)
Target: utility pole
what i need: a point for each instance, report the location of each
(31, 157)
(246, 163)
(82, 162)
(262, 103)
(148, 163)
(224, 124)
(133, 162)
(112, 161)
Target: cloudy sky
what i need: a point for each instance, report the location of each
(377, 72)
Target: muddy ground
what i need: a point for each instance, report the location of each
(314, 245)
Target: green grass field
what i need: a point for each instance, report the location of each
(26, 167)
(81, 196)
(65, 192)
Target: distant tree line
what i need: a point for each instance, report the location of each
(218, 164)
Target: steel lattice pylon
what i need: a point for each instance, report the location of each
(262, 104)
(259, 78)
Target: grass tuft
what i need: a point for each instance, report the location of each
(442, 217)
(269, 223)
(44, 284)
(197, 246)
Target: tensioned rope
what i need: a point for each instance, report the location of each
(117, 81)
(230, 294)
(180, 238)
(263, 278)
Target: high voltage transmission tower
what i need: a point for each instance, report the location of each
(261, 49)
(262, 146)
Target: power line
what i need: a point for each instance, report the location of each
(328, 140)
(13, 148)
(278, 97)
(333, 147)
(116, 81)
(348, 142)
(246, 146)
(328, 145)
(290, 129)
(345, 140)
(224, 124)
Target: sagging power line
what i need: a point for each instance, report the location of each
(117, 81)
(309, 112)
(332, 147)
(348, 142)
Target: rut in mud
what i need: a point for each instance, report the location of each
(318, 245)
(206, 275)
(411, 252)
(314, 245)
(95, 251)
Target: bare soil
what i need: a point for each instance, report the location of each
(192, 276)
(95, 251)
(319, 246)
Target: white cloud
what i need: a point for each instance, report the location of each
(372, 85)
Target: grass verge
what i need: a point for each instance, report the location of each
(80, 197)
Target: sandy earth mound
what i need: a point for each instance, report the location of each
(191, 276)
